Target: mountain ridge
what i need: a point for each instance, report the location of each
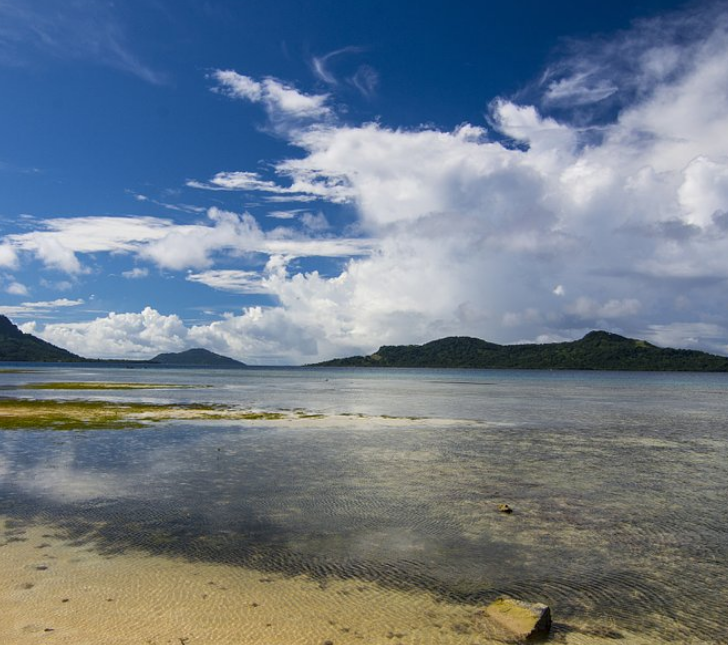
(597, 350)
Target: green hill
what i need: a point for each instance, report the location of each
(17, 346)
(197, 357)
(598, 350)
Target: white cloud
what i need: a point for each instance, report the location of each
(136, 273)
(250, 181)
(704, 191)
(579, 89)
(315, 222)
(126, 335)
(38, 308)
(8, 256)
(169, 245)
(16, 289)
(281, 101)
(287, 214)
(60, 239)
(231, 280)
(60, 302)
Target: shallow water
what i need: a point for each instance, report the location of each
(618, 481)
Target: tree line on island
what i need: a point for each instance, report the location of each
(598, 350)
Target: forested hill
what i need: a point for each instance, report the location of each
(17, 346)
(197, 357)
(598, 350)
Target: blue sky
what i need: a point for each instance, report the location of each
(284, 182)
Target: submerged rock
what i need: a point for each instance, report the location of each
(523, 619)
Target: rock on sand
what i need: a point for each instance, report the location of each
(523, 619)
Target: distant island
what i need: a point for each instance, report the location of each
(598, 350)
(197, 357)
(16, 345)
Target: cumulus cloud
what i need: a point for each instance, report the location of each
(125, 335)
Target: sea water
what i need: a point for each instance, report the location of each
(618, 483)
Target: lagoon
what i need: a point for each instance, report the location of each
(369, 512)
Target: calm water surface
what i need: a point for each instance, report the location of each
(618, 481)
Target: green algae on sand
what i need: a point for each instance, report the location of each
(109, 385)
(22, 414)
(18, 414)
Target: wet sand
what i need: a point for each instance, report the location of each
(56, 591)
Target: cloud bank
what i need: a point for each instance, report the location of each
(601, 204)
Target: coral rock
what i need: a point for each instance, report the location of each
(523, 619)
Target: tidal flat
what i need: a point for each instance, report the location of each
(50, 414)
(366, 509)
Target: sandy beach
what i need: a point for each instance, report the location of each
(55, 590)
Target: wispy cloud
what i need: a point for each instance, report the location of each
(81, 30)
(364, 77)
(285, 105)
(230, 280)
(136, 273)
(180, 208)
(597, 77)
(304, 186)
(38, 309)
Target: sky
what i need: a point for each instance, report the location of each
(287, 182)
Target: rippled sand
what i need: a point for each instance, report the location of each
(57, 591)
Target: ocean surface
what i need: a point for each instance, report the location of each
(618, 481)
